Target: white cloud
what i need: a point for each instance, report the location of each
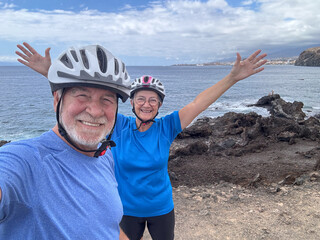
(179, 29)
(7, 5)
(249, 2)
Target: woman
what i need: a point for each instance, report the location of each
(143, 143)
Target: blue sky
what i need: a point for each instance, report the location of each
(143, 32)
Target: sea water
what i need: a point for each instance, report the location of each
(26, 103)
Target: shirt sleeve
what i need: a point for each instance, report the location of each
(13, 178)
(171, 126)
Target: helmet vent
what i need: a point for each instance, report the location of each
(102, 58)
(116, 67)
(65, 60)
(74, 55)
(123, 67)
(84, 59)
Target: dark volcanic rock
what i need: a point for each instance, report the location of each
(266, 100)
(309, 57)
(2, 142)
(280, 108)
(235, 134)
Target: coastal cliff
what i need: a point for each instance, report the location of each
(309, 57)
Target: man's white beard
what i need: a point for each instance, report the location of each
(79, 140)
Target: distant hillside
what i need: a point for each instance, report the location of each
(309, 57)
(276, 61)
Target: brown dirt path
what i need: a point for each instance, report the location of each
(272, 194)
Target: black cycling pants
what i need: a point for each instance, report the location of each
(160, 227)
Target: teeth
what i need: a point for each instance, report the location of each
(91, 124)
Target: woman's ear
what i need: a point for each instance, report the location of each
(131, 102)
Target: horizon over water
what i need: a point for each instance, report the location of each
(26, 101)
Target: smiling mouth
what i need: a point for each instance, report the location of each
(146, 111)
(91, 124)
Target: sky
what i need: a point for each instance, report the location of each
(162, 33)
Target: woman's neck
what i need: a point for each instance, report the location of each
(143, 127)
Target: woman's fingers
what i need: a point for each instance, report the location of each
(24, 50)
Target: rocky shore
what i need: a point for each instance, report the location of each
(213, 147)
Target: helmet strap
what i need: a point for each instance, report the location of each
(105, 143)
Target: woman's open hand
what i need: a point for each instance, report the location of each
(247, 67)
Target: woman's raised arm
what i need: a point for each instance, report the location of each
(32, 59)
(239, 71)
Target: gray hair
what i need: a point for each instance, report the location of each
(59, 92)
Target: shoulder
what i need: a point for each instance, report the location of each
(173, 115)
(122, 123)
(21, 147)
(170, 125)
(30, 148)
(171, 119)
(19, 158)
(122, 119)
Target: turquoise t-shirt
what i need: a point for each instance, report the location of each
(51, 191)
(141, 165)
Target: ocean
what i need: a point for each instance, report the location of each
(26, 101)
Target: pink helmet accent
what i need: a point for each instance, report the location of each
(146, 79)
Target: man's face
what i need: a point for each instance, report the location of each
(88, 115)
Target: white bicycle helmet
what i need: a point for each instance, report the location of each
(147, 83)
(90, 66)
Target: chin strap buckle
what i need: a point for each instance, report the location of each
(105, 144)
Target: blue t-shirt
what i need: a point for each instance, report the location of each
(51, 191)
(141, 165)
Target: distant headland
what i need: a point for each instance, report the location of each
(309, 57)
(277, 61)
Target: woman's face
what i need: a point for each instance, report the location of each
(146, 104)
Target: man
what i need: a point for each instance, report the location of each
(61, 185)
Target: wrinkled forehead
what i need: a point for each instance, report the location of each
(91, 91)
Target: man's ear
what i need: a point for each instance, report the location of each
(55, 100)
(131, 102)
